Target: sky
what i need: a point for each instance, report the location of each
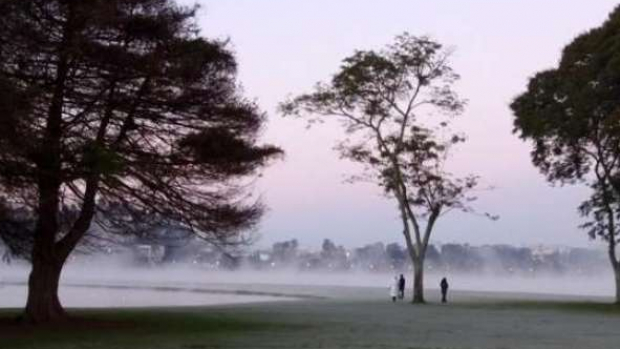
(284, 47)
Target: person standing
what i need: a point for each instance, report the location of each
(394, 289)
(444, 290)
(401, 287)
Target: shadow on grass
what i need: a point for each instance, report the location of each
(571, 307)
(135, 328)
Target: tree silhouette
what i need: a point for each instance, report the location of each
(381, 98)
(119, 104)
(571, 114)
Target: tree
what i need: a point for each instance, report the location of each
(397, 255)
(372, 257)
(334, 257)
(380, 97)
(571, 114)
(328, 249)
(119, 106)
(285, 252)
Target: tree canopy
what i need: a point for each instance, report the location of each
(572, 116)
(396, 106)
(122, 106)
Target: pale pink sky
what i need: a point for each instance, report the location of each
(285, 46)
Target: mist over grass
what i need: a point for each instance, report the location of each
(353, 309)
(120, 284)
(370, 321)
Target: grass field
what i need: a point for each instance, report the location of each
(138, 328)
(605, 309)
(362, 320)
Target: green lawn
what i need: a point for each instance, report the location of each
(309, 324)
(144, 328)
(567, 307)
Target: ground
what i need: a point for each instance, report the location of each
(346, 318)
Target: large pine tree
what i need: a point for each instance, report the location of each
(120, 106)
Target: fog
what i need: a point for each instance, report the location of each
(97, 284)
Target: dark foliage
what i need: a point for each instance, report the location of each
(121, 105)
(572, 116)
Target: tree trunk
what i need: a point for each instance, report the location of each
(43, 305)
(613, 258)
(617, 274)
(418, 281)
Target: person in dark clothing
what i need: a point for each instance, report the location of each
(401, 287)
(444, 290)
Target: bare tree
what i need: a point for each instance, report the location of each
(381, 99)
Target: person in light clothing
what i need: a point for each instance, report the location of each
(394, 289)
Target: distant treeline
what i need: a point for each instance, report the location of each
(379, 257)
